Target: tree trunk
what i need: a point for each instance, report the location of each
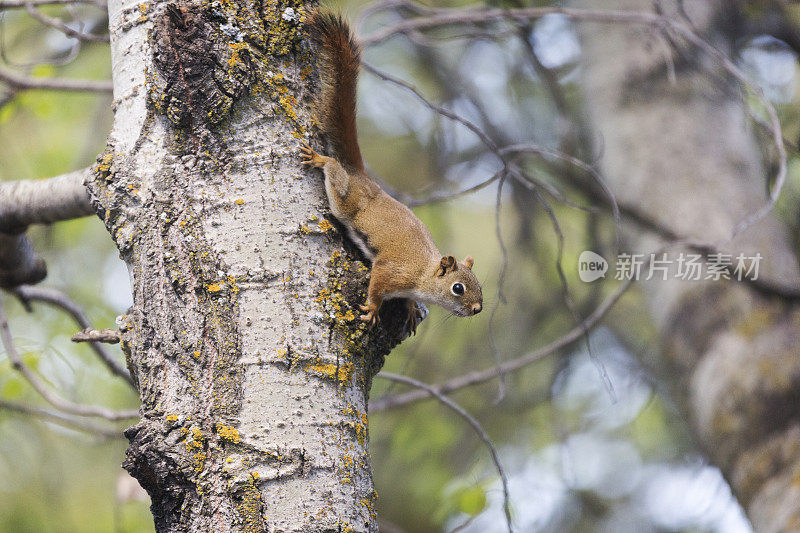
(252, 366)
(684, 154)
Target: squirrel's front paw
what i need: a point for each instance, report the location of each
(413, 318)
(371, 315)
(310, 157)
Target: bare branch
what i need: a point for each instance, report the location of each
(586, 167)
(445, 17)
(55, 199)
(19, 264)
(474, 128)
(411, 201)
(64, 28)
(633, 214)
(482, 376)
(434, 107)
(105, 335)
(427, 389)
(53, 399)
(60, 418)
(62, 301)
(19, 82)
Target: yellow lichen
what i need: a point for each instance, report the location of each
(228, 433)
(331, 372)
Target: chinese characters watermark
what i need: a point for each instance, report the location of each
(686, 266)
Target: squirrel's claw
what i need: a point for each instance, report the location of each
(371, 315)
(371, 318)
(310, 158)
(413, 318)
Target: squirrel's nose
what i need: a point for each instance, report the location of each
(476, 309)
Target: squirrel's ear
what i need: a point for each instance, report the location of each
(448, 262)
(469, 261)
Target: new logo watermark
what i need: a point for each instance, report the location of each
(591, 266)
(687, 267)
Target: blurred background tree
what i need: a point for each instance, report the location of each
(688, 390)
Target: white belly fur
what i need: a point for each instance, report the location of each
(351, 232)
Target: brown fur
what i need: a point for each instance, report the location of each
(406, 262)
(336, 104)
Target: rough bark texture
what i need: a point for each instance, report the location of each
(252, 366)
(685, 154)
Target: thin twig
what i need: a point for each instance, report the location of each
(62, 301)
(568, 297)
(59, 418)
(444, 197)
(434, 107)
(482, 135)
(59, 24)
(105, 335)
(472, 422)
(633, 214)
(777, 132)
(446, 17)
(53, 399)
(19, 82)
(586, 167)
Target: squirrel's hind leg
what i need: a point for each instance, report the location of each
(311, 158)
(335, 174)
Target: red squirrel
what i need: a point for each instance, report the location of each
(405, 260)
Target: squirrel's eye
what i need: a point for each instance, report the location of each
(457, 288)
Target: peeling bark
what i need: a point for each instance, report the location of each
(252, 366)
(685, 154)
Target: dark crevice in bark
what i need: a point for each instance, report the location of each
(159, 475)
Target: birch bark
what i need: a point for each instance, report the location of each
(252, 366)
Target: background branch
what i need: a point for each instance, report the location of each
(55, 199)
(19, 82)
(60, 418)
(63, 302)
(475, 426)
(53, 399)
(64, 28)
(19, 264)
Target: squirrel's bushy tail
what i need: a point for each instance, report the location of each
(338, 62)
